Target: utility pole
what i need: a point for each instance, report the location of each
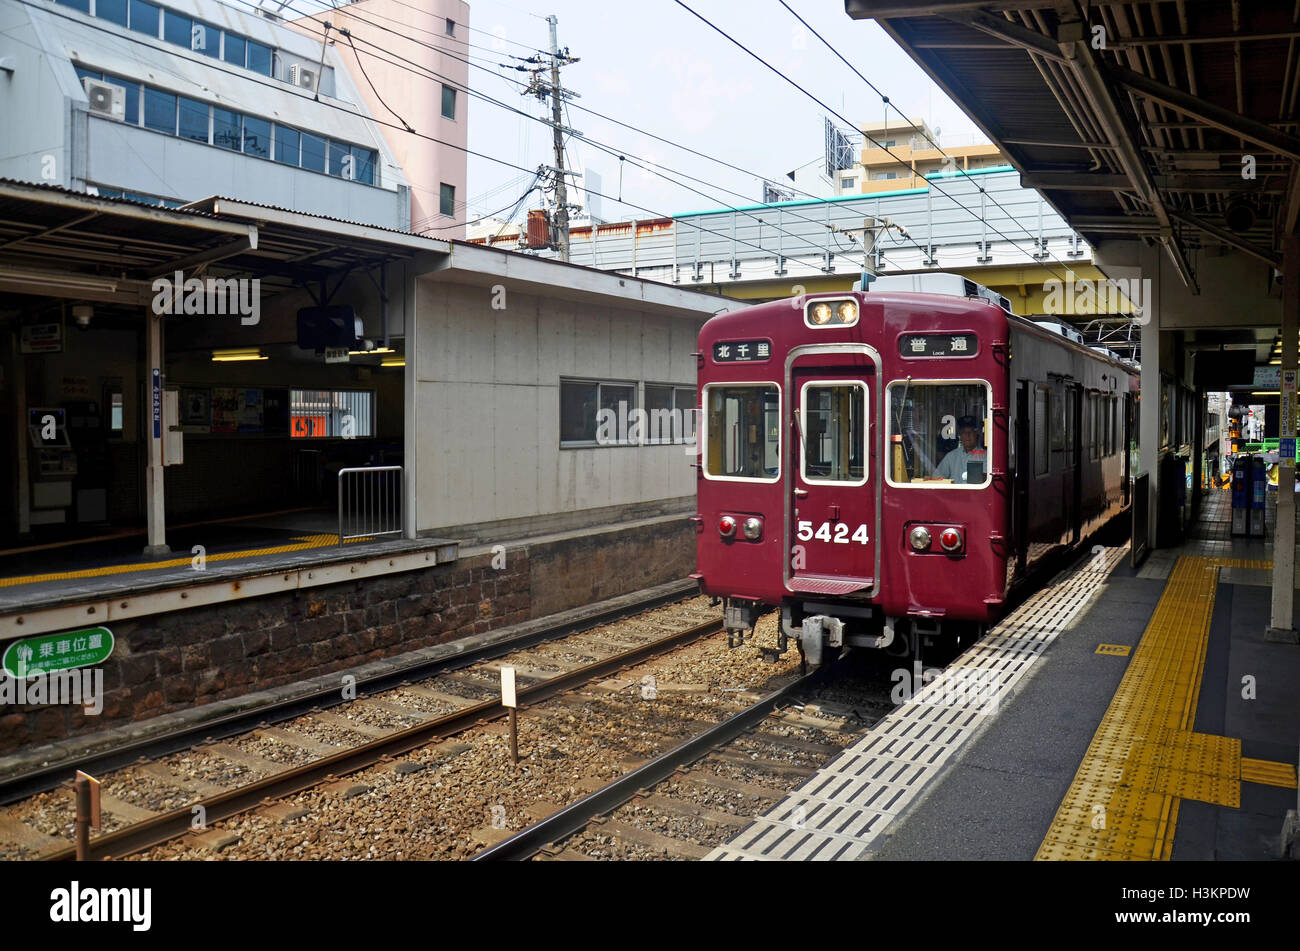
(543, 90)
(561, 195)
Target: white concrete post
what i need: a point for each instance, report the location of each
(410, 382)
(1280, 621)
(155, 510)
(1149, 407)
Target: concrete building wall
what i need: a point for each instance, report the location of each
(491, 380)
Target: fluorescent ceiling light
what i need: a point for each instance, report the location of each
(237, 356)
(52, 280)
(366, 353)
(393, 362)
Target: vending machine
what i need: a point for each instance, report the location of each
(52, 465)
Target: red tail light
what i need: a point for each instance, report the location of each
(727, 526)
(950, 539)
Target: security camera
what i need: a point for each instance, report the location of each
(82, 313)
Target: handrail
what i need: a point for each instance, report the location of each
(370, 502)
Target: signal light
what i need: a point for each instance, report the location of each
(919, 538)
(950, 539)
(726, 526)
(753, 528)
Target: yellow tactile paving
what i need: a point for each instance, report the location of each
(1267, 772)
(302, 543)
(1144, 758)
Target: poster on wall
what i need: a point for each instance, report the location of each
(195, 410)
(42, 338)
(236, 410)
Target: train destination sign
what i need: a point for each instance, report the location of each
(938, 345)
(742, 351)
(50, 652)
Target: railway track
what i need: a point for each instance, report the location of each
(224, 776)
(704, 790)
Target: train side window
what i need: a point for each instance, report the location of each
(927, 448)
(742, 432)
(1071, 409)
(834, 421)
(1042, 427)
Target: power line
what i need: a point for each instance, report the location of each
(365, 117)
(835, 113)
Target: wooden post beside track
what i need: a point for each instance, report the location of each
(87, 790)
(509, 702)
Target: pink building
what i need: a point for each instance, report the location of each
(415, 61)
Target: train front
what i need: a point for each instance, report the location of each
(850, 471)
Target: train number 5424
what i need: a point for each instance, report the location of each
(827, 532)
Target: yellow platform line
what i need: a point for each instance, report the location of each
(1144, 758)
(304, 542)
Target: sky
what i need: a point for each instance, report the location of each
(658, 68)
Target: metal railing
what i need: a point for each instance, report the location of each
(370, 502)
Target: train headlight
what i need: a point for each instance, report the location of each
(753, 528)
(846, 312)
(950, 539)
(727, 526)
(820, 314)
(919, 538)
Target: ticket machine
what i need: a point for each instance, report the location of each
(52, 465)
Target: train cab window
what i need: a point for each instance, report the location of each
(940, 434)
(834, 432)
(742, 434)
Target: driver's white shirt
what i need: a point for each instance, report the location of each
(954, 464)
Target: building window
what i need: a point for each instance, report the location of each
(448, 102)
(340, 159)
(176, 28)
(363, 164)
(115, 418)
(286, 145)
(226, 129)
(670, 414)
(144, 18)
(594, 413)
(451, 27)
(848, 182)
(884, 176)
(205, 39)
(447, 200)
(82, 5)
(328, 414)
(159, 111)
(257, 137)
(259, 58)
(313, 152)
(112, 10)
(235, 50)
(194, 120)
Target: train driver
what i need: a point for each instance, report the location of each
(957, 464)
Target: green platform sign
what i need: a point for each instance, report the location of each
(64, 651)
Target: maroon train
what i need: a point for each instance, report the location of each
(886, 467)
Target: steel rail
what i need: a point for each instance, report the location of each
(118, 757)
(574, 817)
(154, 831)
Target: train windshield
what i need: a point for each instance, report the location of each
(743, 435)
(940, 434)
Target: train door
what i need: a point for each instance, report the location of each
(1127, 453)
(1074, 460)
(1020, 494)
(834, 503)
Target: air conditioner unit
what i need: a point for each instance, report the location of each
(106, 99)
(302, 76)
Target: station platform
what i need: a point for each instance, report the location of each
(42, 576)
(1121, 715)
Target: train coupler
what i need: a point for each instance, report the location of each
(739, 617)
